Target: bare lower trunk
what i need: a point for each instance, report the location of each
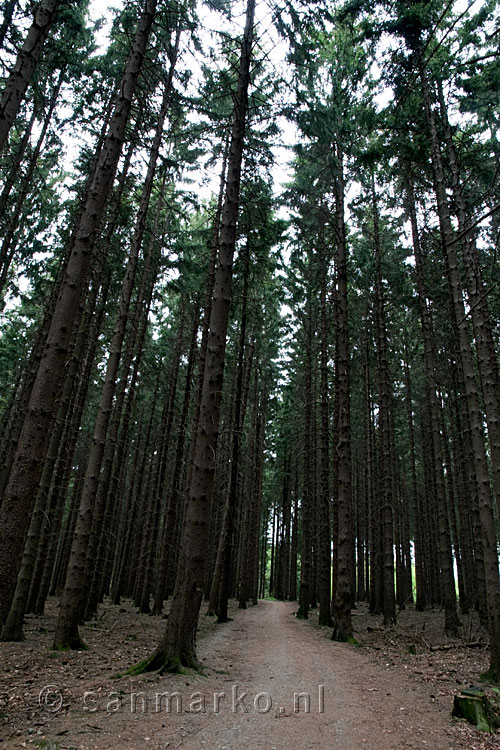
(307, 509)
(324, 499)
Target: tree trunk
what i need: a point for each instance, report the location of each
(324, 502)
(175, 496)
(420, 602)
(8, 247)
(342, 624)
(384, 398)
(9, 7)
(178, 646)
(307, 505)
(240, 401)
(24, 67)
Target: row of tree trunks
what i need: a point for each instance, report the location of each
(490, 557)
(20, 493)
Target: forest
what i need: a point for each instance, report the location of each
(249, 339)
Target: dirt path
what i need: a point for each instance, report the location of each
(352, 703)
(260, 661)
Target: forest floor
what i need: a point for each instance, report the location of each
(378, 696)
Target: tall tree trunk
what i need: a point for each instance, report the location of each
(178, 646)
(384, 398)
(342, 624)
(307, 505)
(24, 67)
(294, 545)
(240, 399)
(174, 499)
(249, 579)
(420, 602)
(324, 502)
(8, 247)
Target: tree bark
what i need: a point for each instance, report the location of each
(324, 499)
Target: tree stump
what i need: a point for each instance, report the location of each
(473, 704)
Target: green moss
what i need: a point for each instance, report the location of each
(162, 664)
(350, 639)
(140, 668)
(173, 666)
(74, 646)
(153, 664)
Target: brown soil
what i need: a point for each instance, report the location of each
(380, 697)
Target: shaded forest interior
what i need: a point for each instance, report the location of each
(217, 386)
